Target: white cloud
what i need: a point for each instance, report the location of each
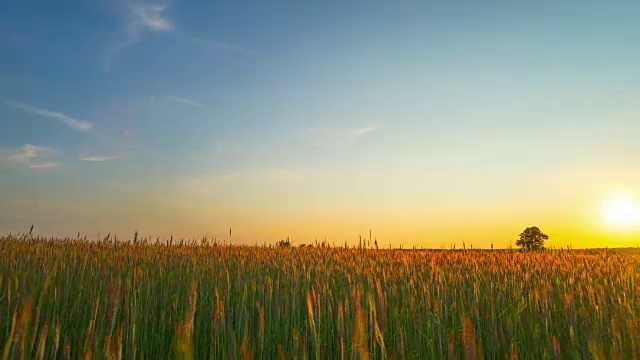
(46, 165)
(71, 122)
(139, 19)
(362, 131)
(150, 17)
(185, 101)
(33, 156)
(98, 158)
(29, 152)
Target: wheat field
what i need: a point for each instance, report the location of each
(71, 298)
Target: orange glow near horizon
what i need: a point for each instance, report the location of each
(577, 210)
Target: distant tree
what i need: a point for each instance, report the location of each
(532, 239)
(284, 243)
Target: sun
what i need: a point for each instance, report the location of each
(621, 210)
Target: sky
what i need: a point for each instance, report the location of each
(430, 123)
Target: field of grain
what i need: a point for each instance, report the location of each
(72, 298)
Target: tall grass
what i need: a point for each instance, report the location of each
(72, 298)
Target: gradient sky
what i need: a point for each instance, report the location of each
(428, 122)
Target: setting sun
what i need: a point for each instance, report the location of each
(622, 211)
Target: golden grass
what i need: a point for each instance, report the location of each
(71, 299)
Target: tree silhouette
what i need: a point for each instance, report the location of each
(532, 239)
(284, 243)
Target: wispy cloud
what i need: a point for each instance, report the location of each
(33, 156)
(185, 101)
(98, 158)
(139, 19)
(113, 145)
(46, 165)
(29, 152)
(142, 18)
(361, 131)
(215, 43)
(150, 17)
(74, 123)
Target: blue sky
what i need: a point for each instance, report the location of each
(428, 121)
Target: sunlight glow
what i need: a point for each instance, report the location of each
(622, 211)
